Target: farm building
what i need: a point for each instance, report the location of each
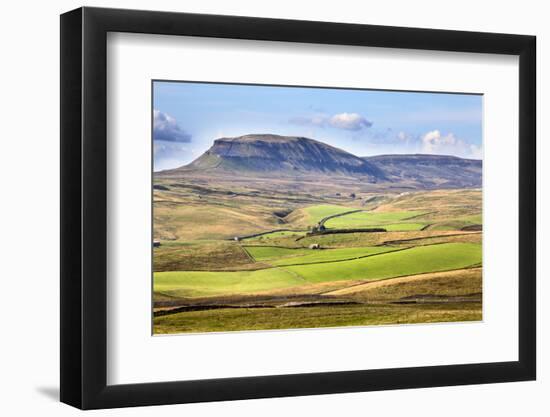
(318, 228)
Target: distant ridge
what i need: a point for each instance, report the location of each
(430, 171)
(272, 156)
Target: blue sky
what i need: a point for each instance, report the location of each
(189, 116)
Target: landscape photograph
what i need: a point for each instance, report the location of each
(282, 207)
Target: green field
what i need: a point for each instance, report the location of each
(319, 212)
(416, 260)
(278, 257)
(392, 264)
(370, 219)
(292, 273)
(204, 283)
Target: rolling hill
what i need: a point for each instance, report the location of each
(280, 155)
(430, 171)
(275, 156)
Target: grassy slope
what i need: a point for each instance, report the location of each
(457, 224)
(446, 209)
(365, 219)
(398, 227)
(416, 260)
(310, 317)
(320, 211)
(405, 262)
(203, 283)
(309, 216)
(461, 282)
(180, 210)
(179, 221)
(200, 255)
(372, 239)
(330, 255)
(274, 235)
(446, 237)
(265, 253)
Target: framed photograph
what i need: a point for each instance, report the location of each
(258, 208)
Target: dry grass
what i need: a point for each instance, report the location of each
(203, 256)
(462, 282)
(374, 239)
(441, 204)
(224, 320)
(464, 237)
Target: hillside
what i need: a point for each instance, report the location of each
(430, 171)
(280, 155)
(294, 157)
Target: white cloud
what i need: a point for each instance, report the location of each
(402, 136)
(349, 121)
(346, 121)
(169, 154)
(434, 142)
(476, 152)
(166, 128)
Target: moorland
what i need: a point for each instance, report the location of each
(272, 232)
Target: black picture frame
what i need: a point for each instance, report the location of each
(84, 207)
